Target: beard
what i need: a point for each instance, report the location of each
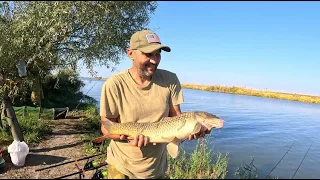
(143, 69)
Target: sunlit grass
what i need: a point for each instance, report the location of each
(202, 163)
(34, 129)
(253, 92)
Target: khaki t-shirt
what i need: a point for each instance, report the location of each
(121, 96)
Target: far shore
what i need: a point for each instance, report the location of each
(252, 92)
(245, 91)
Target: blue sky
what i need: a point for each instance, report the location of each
(263, 45)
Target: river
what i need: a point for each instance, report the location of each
(255, 127)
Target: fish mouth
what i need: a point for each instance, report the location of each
(217, 124)
(220, 124)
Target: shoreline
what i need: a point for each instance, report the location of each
(253, 92)
(244, 91)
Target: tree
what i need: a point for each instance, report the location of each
(8, 71)
(49, 35)
(57, 34)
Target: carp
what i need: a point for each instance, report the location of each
(170, 130)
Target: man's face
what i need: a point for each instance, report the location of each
(146, 64)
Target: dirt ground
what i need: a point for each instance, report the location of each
(62, 146)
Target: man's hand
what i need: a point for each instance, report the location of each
(139, 140)
(202, 133)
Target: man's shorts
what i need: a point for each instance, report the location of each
(113, 173)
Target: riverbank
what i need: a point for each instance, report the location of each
(252, 92)
(71, 138)
(61, 145)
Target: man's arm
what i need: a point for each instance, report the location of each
(174, 111)
(105, 132)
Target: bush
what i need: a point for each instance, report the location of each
(62, 89)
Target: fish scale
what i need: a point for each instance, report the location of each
(153, 130)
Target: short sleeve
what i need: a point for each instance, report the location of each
(176, 91)
(109, 100)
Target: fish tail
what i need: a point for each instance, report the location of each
(107, 124)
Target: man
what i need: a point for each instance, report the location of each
(140, 94)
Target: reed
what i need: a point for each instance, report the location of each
(253, 92)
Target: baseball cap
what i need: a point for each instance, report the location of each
(146, 41)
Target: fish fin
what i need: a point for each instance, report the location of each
(197, 128)
(107, 124)
(173, 148)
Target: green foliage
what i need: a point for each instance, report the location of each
(198, 165)
(34, 130)
(92, 119)
(63, 89)
(94, 31)
(51, 35)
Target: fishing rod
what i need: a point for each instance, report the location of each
(280, 160)
(302, 160)
(88, 92)
(87, 167)
(110, 136)
(88, 157)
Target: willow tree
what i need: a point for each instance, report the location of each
(57, 34)
(8, 70)
(49, 35)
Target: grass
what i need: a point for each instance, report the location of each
(92, 119)
(198, 164)
(34, 129)
(253, 92)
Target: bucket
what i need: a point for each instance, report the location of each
(18, 152)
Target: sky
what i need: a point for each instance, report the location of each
(262, 45)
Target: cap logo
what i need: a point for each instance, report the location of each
(152, 38)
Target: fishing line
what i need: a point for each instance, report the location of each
(93, 85)
(302, 160)
(279, 161)
(87, 93)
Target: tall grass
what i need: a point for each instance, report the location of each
(92, 119)
(252, 92)
(198, 164)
